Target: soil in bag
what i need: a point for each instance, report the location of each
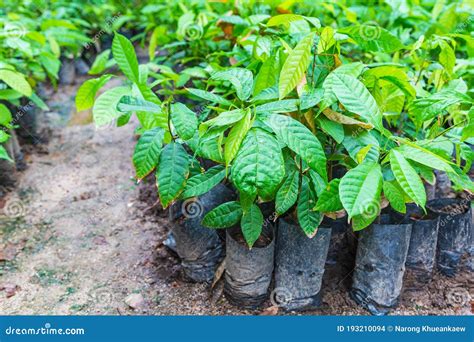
(299, 266)
(380, 265)
(200, 248)
(455, 220)
(248, 271)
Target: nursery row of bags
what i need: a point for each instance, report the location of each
(375, 258)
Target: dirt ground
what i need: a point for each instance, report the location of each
(78, 236)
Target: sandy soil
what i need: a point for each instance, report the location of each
(79, 237)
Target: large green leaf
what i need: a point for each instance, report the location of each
(282, 106)
(300, 140)
(407, 177)
(308, 219)
(86, 93)
(202, 183)
(100, 63)
(240, 78)
(105, 107)
(147, 151)
(224, 216)
(395, 196)
(425, 157)
(172, 171)
(258, 167)
(371, 37)
(356, 98)
(5, 115)
(267, 76)
(124, 55)
(235, 137)
(206, 95)
(251, 223)
(352, 69)
(16, 81)
(328, 200)
(133, 104)
(360, 188)
(184, 120)
(227, 118)
(295, 66)
(287, 194)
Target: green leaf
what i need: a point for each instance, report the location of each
(334, 129)
(287, 194)
(308, 219)
(328, 200)
(16, 81)
(282, 106)
(300, 140)
(147, 152)
(374, 38)
(356, 98)
(184, 120)
(355, 143)
(267, 76)
(202, 183)
(224, 216)
(295, 66)
(100, 63)
(252, 222)
(87, 91)
(206, 95)
(133, 104)
(240, 78)
(407, 177)
(105, 107)
(425, 157)
(124, 55)
(395, 196)
(360, 222)
(284, 19)
(4, 154)
(227, 118)
(172, 171)
(351, 69)
(235, 137)
(258, 167)
(360, 188)
(5, 115)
